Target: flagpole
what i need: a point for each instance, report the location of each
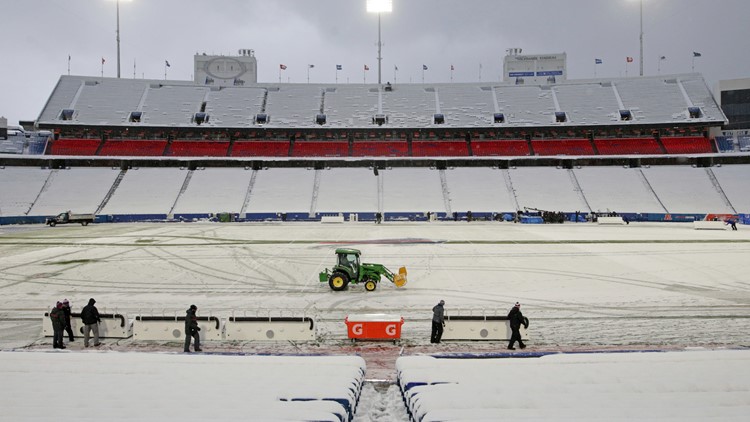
(395, 72)
(68, 64)
(451, 73)
(480, 72)
(102, 68)
(337, 75)
(308, 73)
(279, 74)
(133, 68)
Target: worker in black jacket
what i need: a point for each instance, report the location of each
(91, 320)
(58, 324)
(516, 319)
(191, 330)
(438, 322)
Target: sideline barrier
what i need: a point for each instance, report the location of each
(487, 328)
(166, 328)
(709, 225)
(332, 219)
(269, 328)
(112, 325)
(610, 220)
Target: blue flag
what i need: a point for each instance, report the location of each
(167, 63)
(424, 67)
(696, 54)
(338, 67)
(597, 61)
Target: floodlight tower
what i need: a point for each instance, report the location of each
(641, 59)
(379, 6)
(118, 36)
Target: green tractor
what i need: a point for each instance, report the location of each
(348, 269)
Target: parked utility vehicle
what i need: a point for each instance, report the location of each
(68, 217)
(348, 269)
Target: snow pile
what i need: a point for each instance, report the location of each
(179, 387)
(696, 385)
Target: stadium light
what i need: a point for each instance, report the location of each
(379, 6)
(118, 36)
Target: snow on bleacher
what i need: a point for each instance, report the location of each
(124, 386)
(95, 104)
(171, 105)
(479, 190)
(214, 190)
(526, 105)
(294, 105)
(402, 185)
(653, 99)
(589, 103)
(616, 189)
(280, 190)
(146, 191)
(684, 189)
(234, 107)
(684, 385)
(351, 106)
(347, 190)
(19, 187)
(735, 182)
(90, 184)
(545, 188)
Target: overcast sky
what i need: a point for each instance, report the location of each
(39, 35)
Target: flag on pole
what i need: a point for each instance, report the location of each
(103, 60)
(453, 68)
(166, 63)
(395, 68)
(282, 66)
(366, 67)
(598, 61)
(663, 58)
(339, 67)
(424, 67)
(629, 59)
(696, 54)
(311, 66)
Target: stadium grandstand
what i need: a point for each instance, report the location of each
(575, 146)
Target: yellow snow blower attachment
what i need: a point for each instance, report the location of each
(400, 279)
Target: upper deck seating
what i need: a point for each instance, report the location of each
(75, 146)
(133, 148)
(439, 148)
(618, 146)
(321, 149)
(562, 147)
(260, 148)
(502, 148)
(687, 145)
(199, 148)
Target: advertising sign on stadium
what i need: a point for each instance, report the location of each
(520, 74)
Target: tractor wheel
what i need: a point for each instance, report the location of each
(370, 285)
(338, 281)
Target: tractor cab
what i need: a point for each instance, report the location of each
(349, 259)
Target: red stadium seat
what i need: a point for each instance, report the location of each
(620, 146)
(256, 148)
(687, 145)
(199, 149)
(562, 147)
(439, 149)
(133, 148)
(500, 148)
(75, 146)
(321, 149)
(380, 149)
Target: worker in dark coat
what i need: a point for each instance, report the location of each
(516, 319)
(438, 322)
(58, 325)
(90, 318)
(66, 311)
(191, 330)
